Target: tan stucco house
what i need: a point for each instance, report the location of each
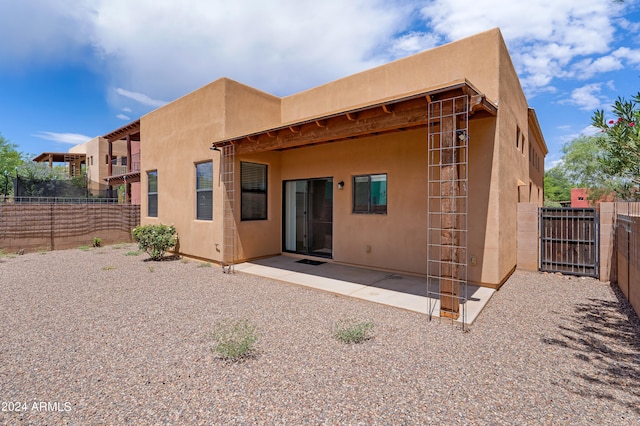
(416, 166)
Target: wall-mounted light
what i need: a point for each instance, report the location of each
(341, 184)
(462, 135)
(214, 148)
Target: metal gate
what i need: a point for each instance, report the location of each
(569, 241)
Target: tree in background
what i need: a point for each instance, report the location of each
(580, 168)
(557, 187)
(620, 143)
(10, 158)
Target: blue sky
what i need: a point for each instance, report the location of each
(74, 69)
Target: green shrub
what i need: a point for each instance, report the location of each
(352, 331)
(234, 339)
(97, 242)
(155, 239)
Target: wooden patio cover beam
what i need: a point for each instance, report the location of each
(398, 115)
(339, 128)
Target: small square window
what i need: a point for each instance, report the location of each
(370, 194)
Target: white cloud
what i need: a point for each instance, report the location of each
(68, 138)
(586, 97)
(164, 48)
(544, 37)
(140, 97)
(123, 117)
(36, 31)
(169, 48)
(413, 42)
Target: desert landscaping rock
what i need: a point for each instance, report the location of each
(99, 337)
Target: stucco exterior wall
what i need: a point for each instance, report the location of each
(177, 136)
(474, 58)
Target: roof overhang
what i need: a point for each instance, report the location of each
(132, 130)
(122, 179)
(389, 115)
(59, 157)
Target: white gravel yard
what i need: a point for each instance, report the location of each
(101, 337)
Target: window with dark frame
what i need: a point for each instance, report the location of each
(204, 191)
(370, 194)
(253, 197)
(152, 193)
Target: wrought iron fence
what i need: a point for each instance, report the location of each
(569, 241)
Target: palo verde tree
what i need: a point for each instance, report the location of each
(620, 141)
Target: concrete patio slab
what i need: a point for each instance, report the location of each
(387, 288)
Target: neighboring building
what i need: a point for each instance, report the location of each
(109, 161)
(416, 166)
(581, 198)
(123, 160)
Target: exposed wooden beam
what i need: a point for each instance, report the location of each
(387, 109)
(321, 123)
(480, 103)
(272, 134)
(340, 129)
(352, 116)
(294, 129)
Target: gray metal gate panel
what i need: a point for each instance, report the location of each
(569, 241)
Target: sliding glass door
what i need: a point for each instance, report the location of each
(308, 216)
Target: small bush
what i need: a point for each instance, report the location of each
(155, 239)
(97, 242)
(84, 248)
(352, 331)
(234, 339)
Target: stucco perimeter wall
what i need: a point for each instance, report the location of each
(474, 58)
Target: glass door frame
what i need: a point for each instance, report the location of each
(316, 226)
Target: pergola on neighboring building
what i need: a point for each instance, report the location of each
(125, 169)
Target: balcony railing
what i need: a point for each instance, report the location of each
(117, 168)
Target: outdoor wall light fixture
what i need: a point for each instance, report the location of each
(341, 184)
(214, 148)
